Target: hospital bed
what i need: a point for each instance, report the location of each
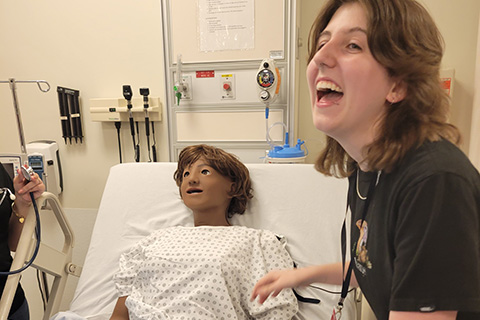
(292, 200)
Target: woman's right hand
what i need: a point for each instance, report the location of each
(274, 282)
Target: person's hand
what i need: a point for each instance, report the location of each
(23, 189)
(273, 283)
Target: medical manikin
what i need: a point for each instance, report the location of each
(206, 271)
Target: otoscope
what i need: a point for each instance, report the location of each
(145, 92)
(127, 93)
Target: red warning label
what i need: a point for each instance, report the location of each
(206, 74)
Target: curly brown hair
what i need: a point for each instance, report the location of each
(227, 164)
(403, 38)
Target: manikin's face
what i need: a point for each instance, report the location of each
(348, 87)
(204, 190)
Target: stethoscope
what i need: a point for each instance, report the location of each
(4, 192)
(27, 173)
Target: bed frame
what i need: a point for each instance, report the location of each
(57, 263)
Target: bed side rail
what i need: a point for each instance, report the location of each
(52, 261)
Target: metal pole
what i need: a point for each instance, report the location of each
(13, 87)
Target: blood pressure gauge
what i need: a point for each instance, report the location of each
(268, 80)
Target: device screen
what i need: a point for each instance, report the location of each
(10, 169)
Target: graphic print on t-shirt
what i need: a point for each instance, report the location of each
(362, 261)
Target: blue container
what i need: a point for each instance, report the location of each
(286, 151)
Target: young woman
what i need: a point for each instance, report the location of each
(207, 271)
(12, 216)
(373, 77)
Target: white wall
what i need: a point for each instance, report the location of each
(458, 23)
(314, 139)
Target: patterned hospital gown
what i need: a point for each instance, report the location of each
(203, 273)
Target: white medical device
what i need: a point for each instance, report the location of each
(268, 80)
(11, 162)
(43, 157)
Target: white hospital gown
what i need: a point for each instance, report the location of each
(203, 273)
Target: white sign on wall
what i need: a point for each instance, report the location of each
(226, 25)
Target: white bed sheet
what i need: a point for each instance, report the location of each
(289, 199)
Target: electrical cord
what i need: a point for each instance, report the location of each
(154, 146)
(137, 146)
(328, 291)
(118, 125)
(148, 142)
(43, 291)
(45, 285)
(145, 92)
(314, 300)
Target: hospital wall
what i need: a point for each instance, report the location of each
(97, 46)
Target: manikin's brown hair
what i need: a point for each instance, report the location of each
(227, 164)
(403, 38)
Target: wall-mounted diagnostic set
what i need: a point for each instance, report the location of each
(132, 110)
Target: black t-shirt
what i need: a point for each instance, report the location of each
(5, 257)
(419, 246)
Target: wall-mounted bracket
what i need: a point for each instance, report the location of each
(105, 109)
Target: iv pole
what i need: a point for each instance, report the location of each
(13, 87)
(13, 280)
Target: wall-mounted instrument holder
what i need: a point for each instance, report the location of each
(68, 101)
(116, 109)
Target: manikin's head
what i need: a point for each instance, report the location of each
(203, 168)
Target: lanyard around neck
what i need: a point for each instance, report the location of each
(348, 275)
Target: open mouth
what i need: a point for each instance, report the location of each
(328, 92)
(194, 190)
